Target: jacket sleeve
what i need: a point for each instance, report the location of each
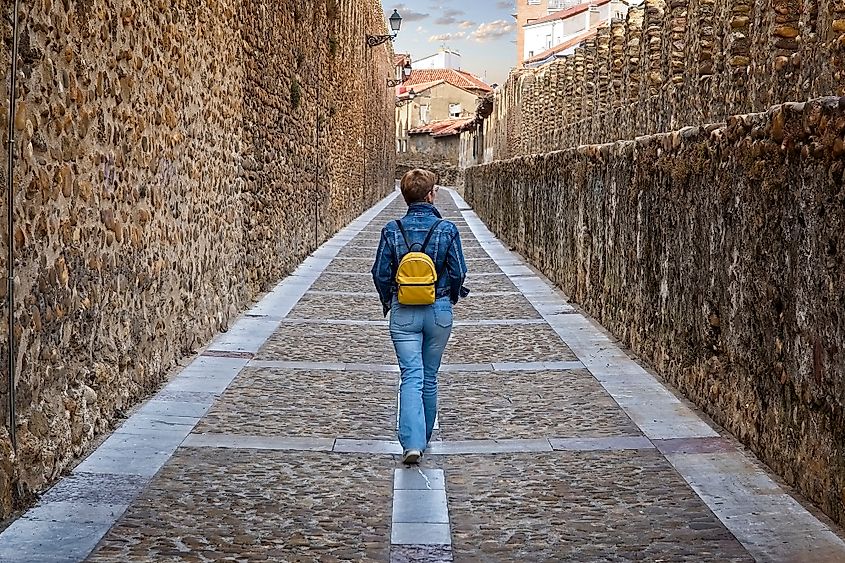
(455, 266)
(383, 271)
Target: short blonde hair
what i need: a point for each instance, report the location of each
(417, 184)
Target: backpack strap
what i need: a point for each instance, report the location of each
(427, 237)
(430, 233)
(404, 234)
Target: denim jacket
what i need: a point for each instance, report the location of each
(444, 248)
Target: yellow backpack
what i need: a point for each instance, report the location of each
(416, 277)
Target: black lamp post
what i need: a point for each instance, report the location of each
(408, 100)
(395, 23)
(406, 73)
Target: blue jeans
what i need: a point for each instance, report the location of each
(419, 335)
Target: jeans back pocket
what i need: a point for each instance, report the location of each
(443, 313)
(402, 316)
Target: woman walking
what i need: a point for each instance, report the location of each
(419, 273)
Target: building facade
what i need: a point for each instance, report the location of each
(425, 103)
(444, 58)
(555, 27)
(433, 107)
(527, 11)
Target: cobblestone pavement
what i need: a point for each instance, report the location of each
(278, 443)
(237, 505)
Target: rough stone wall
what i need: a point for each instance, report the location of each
(717, 254)
(448, 174)
(173, 157)
(670, 65)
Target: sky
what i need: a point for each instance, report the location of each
(482, 31)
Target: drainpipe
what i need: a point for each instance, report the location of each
(10, 207)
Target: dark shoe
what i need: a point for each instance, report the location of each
(411, 457)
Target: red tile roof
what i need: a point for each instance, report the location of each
(566, 44)
(568, 13)
(458, 78)
(444, 128)
(455, 128)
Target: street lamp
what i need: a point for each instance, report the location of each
(395, 23)
(410, 97)
(406, 73)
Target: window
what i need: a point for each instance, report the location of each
(455, 110)
(424, 114)
(548, 41)
(533, 2)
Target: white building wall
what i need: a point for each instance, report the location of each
(544, 36)
(443, 59)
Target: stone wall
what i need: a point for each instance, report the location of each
(448, 173)
(438, 149)
(670, 65)
(176, 158)
(718, 255)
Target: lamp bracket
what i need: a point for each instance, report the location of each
(376, 40)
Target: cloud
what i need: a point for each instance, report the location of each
(492, 30)
(447, 37)
(408, 14)
(505, 5)
(466, 24)
(449, 17)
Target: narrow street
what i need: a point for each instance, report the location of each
(277, 443)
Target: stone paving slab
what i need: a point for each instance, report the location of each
(41, 541)
(495, 344)
(372, 344)
(312, 403)
(316, 306)
(472, 250)
(602, 444)
(379, 447)
(213, 505)
(420, 533)
(330, 342)
(420, 507)
(471, 447)
(490, 282)
(372, 295)
(580, 506)
(366, 238)
(334, 281)
(411, 479)
(755, 508)
(394, 368)
(364, 265)
(362, 281)
(528, 405)
(244, 441)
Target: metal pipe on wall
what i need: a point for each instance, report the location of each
(10, 209)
